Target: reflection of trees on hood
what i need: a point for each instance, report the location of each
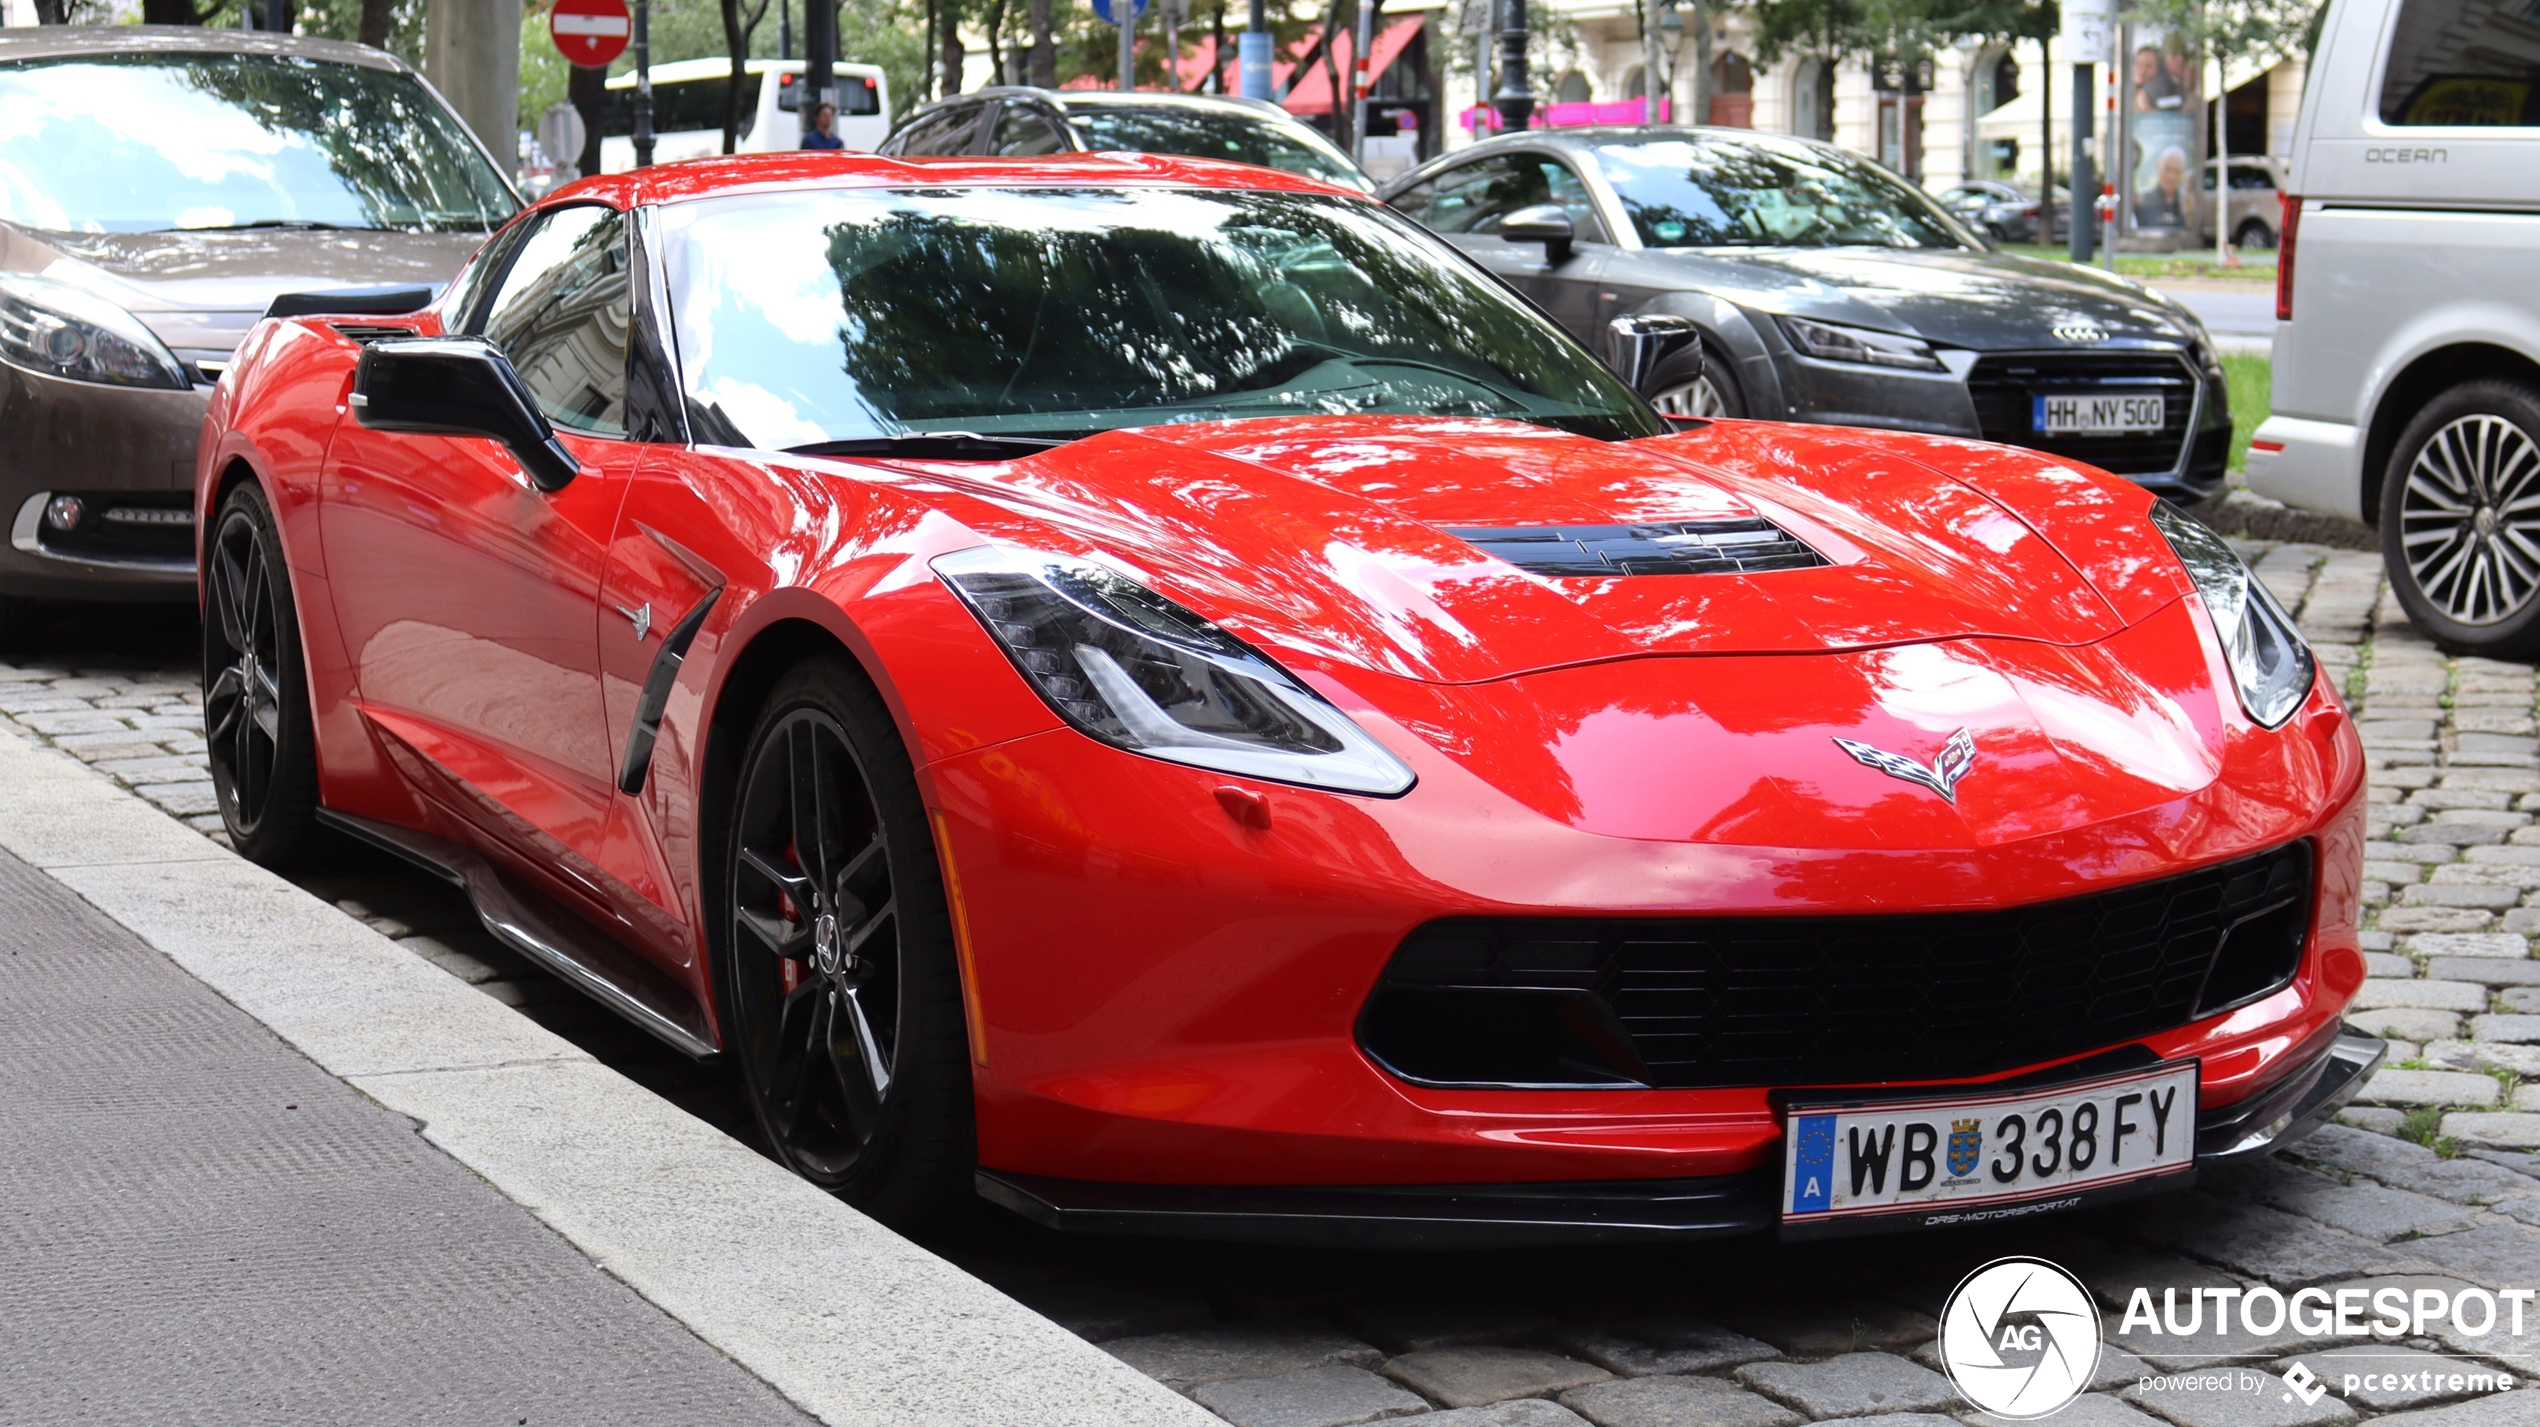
(945, 316)
(380, 132)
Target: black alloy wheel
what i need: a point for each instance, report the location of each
(2460, 519)
(255, 693)
(841, 990)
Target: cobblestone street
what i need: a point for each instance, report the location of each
(2428, 1185)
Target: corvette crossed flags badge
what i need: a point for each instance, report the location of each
(1956, 757)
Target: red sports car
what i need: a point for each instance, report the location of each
(1159, 693)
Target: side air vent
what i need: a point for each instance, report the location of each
(1682, 547)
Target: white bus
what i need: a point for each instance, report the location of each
(688, 109)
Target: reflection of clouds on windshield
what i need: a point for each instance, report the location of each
(772, 421)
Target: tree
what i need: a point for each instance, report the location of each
(2249, 34)
(1043, 68)
(739, 21)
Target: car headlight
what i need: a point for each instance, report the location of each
(2269, 660)
(64, 331)
(1137, 671)
(1860, 344)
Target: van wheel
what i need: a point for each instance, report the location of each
(1696, 382)
(2460, 519)
(2254, 235)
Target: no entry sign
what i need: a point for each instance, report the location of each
(589, 32)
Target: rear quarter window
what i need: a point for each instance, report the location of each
(2464, 63)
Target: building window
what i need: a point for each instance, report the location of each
(1573, 89)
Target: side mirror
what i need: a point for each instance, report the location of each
(458, 386)
(1634, 346)
(1545, 223)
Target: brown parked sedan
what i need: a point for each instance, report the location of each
(159, 189)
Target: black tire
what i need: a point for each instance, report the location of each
(1671, 387)
(2460, 519)
(17, 623)
(255, 691)
(2253, 235)
(845, 1017)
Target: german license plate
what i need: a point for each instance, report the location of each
(2097, 414)
(1968, 1157)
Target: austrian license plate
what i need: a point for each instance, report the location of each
(2097, 414)
(1968, 1157)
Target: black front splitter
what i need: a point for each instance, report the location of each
(1626, 1211)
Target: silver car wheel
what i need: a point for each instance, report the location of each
(1694, 398)
(2469, 519)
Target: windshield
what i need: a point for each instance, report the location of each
(1257, 139)
(1755, 193)
(144, 143)
(806, 318)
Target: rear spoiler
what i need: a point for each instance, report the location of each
(373, 301)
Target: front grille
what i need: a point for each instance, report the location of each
(1771, 1001)
(1678, 547)
(2004, 388)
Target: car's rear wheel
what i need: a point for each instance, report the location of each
(2460, 519)
(1695, 383)
(841, 992)
(2253, 234)
(262, 747)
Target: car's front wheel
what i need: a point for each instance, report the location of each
(1695, 382)
(2460, 519)
(841, 993)
(262, 747)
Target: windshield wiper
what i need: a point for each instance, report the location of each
(311, 225)
(935, 446)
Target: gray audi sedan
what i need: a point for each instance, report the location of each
(1826, 289)
(160, 189)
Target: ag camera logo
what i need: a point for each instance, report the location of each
(2020, 1338)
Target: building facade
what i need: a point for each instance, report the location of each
(1974, 111)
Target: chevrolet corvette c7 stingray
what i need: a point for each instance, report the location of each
(1159, 693)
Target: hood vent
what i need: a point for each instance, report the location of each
(367, 332)
(1683, 547)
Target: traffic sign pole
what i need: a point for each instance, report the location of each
(1128, 14)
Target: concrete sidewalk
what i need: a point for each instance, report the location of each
(196, 1223)
(215, 1204)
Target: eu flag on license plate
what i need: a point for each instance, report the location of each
(1812, 1174)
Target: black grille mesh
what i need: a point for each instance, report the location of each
(2004, 388)
(1684, 1002)
(1681, 547)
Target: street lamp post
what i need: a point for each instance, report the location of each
(820, 52)
(643, 83)
(1514, 101)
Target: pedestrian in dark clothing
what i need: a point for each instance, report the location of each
(824, 120)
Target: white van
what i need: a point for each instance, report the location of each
(688, 109)
(2407, 346)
